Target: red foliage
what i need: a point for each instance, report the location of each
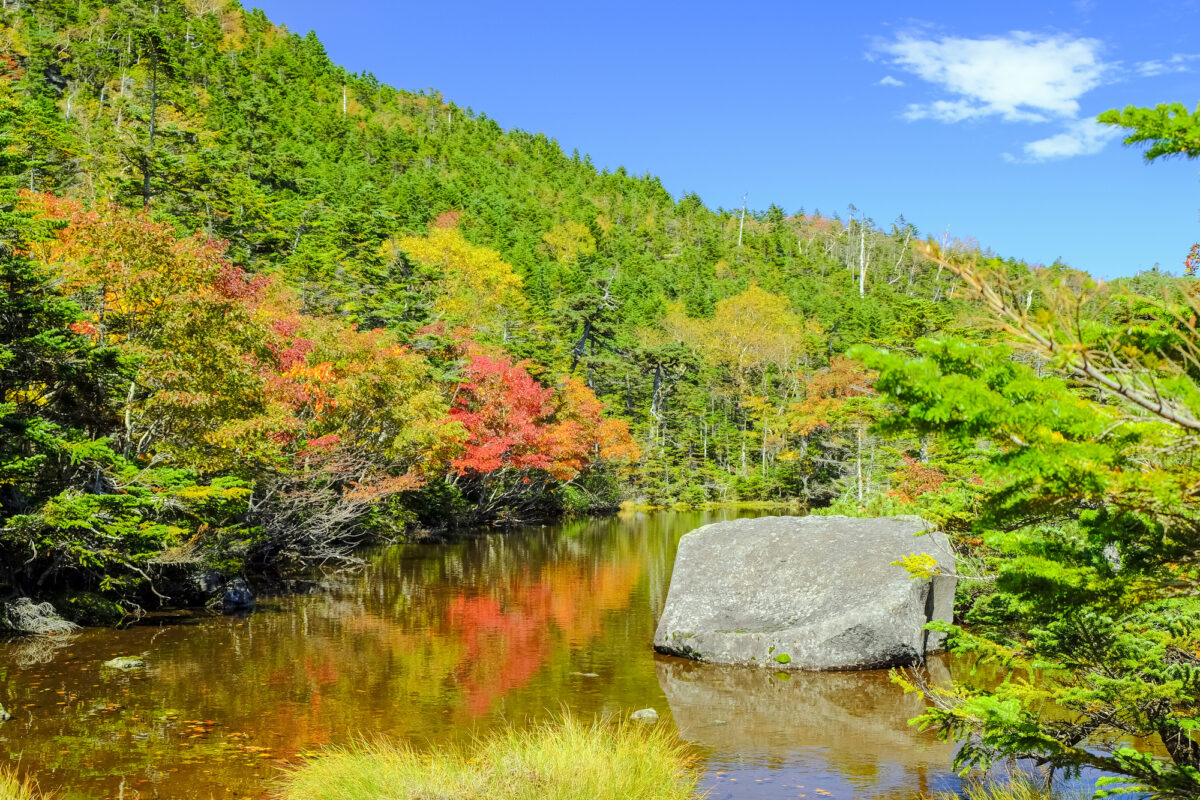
(914, 479)
(513, 422)
(10, 68)
(235, 283)
(504, 411)
(84, 328)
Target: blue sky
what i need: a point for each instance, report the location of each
(972, 117)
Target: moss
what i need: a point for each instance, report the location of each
(89, 608)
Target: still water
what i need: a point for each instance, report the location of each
(432, 643)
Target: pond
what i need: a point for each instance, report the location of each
(437, 643)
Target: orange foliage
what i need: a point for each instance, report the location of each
(827, 393)
(914, 479)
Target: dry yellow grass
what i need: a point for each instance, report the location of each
(562, 760)
(14, 788)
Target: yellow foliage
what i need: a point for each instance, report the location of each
(35, 393)
(749, 333)
(479, 288)
(570, 240)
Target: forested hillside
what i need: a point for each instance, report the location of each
(256, 310)
(259, 306)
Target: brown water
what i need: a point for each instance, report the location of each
(436, 643)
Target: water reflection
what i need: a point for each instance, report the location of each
(809, 728)
(436, 643)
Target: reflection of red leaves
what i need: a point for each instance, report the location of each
(505, 646)
(510, 633)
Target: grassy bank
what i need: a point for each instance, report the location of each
(1015, 788)
(744, 505)
(563, 760)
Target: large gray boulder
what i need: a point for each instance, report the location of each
(807, 593)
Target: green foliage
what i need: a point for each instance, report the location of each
(1086, 529)
(221, 122)
(1168, 129)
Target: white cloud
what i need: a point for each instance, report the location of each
(1019, 77)
(1180, 62)
(1081, 137)
(888, 80)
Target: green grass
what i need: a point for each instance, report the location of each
(1018, 787)
(14, 788)
(561, 760)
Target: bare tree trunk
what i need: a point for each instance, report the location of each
(742, 224)
(150, 141)
(764, 447)
(860, 464)
(862, 260)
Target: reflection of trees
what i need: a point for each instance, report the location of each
(426, 644)
(505, 605)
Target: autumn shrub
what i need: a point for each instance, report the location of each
(562, 760)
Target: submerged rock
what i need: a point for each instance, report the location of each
(644, 715)
(237, 596)
(125, 663)
(4, 715)
(807, 593)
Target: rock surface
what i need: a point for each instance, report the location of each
(644, 715)
(125, 663)
(806, 593)
(237, 596)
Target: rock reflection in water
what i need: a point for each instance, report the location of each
(844, 732)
